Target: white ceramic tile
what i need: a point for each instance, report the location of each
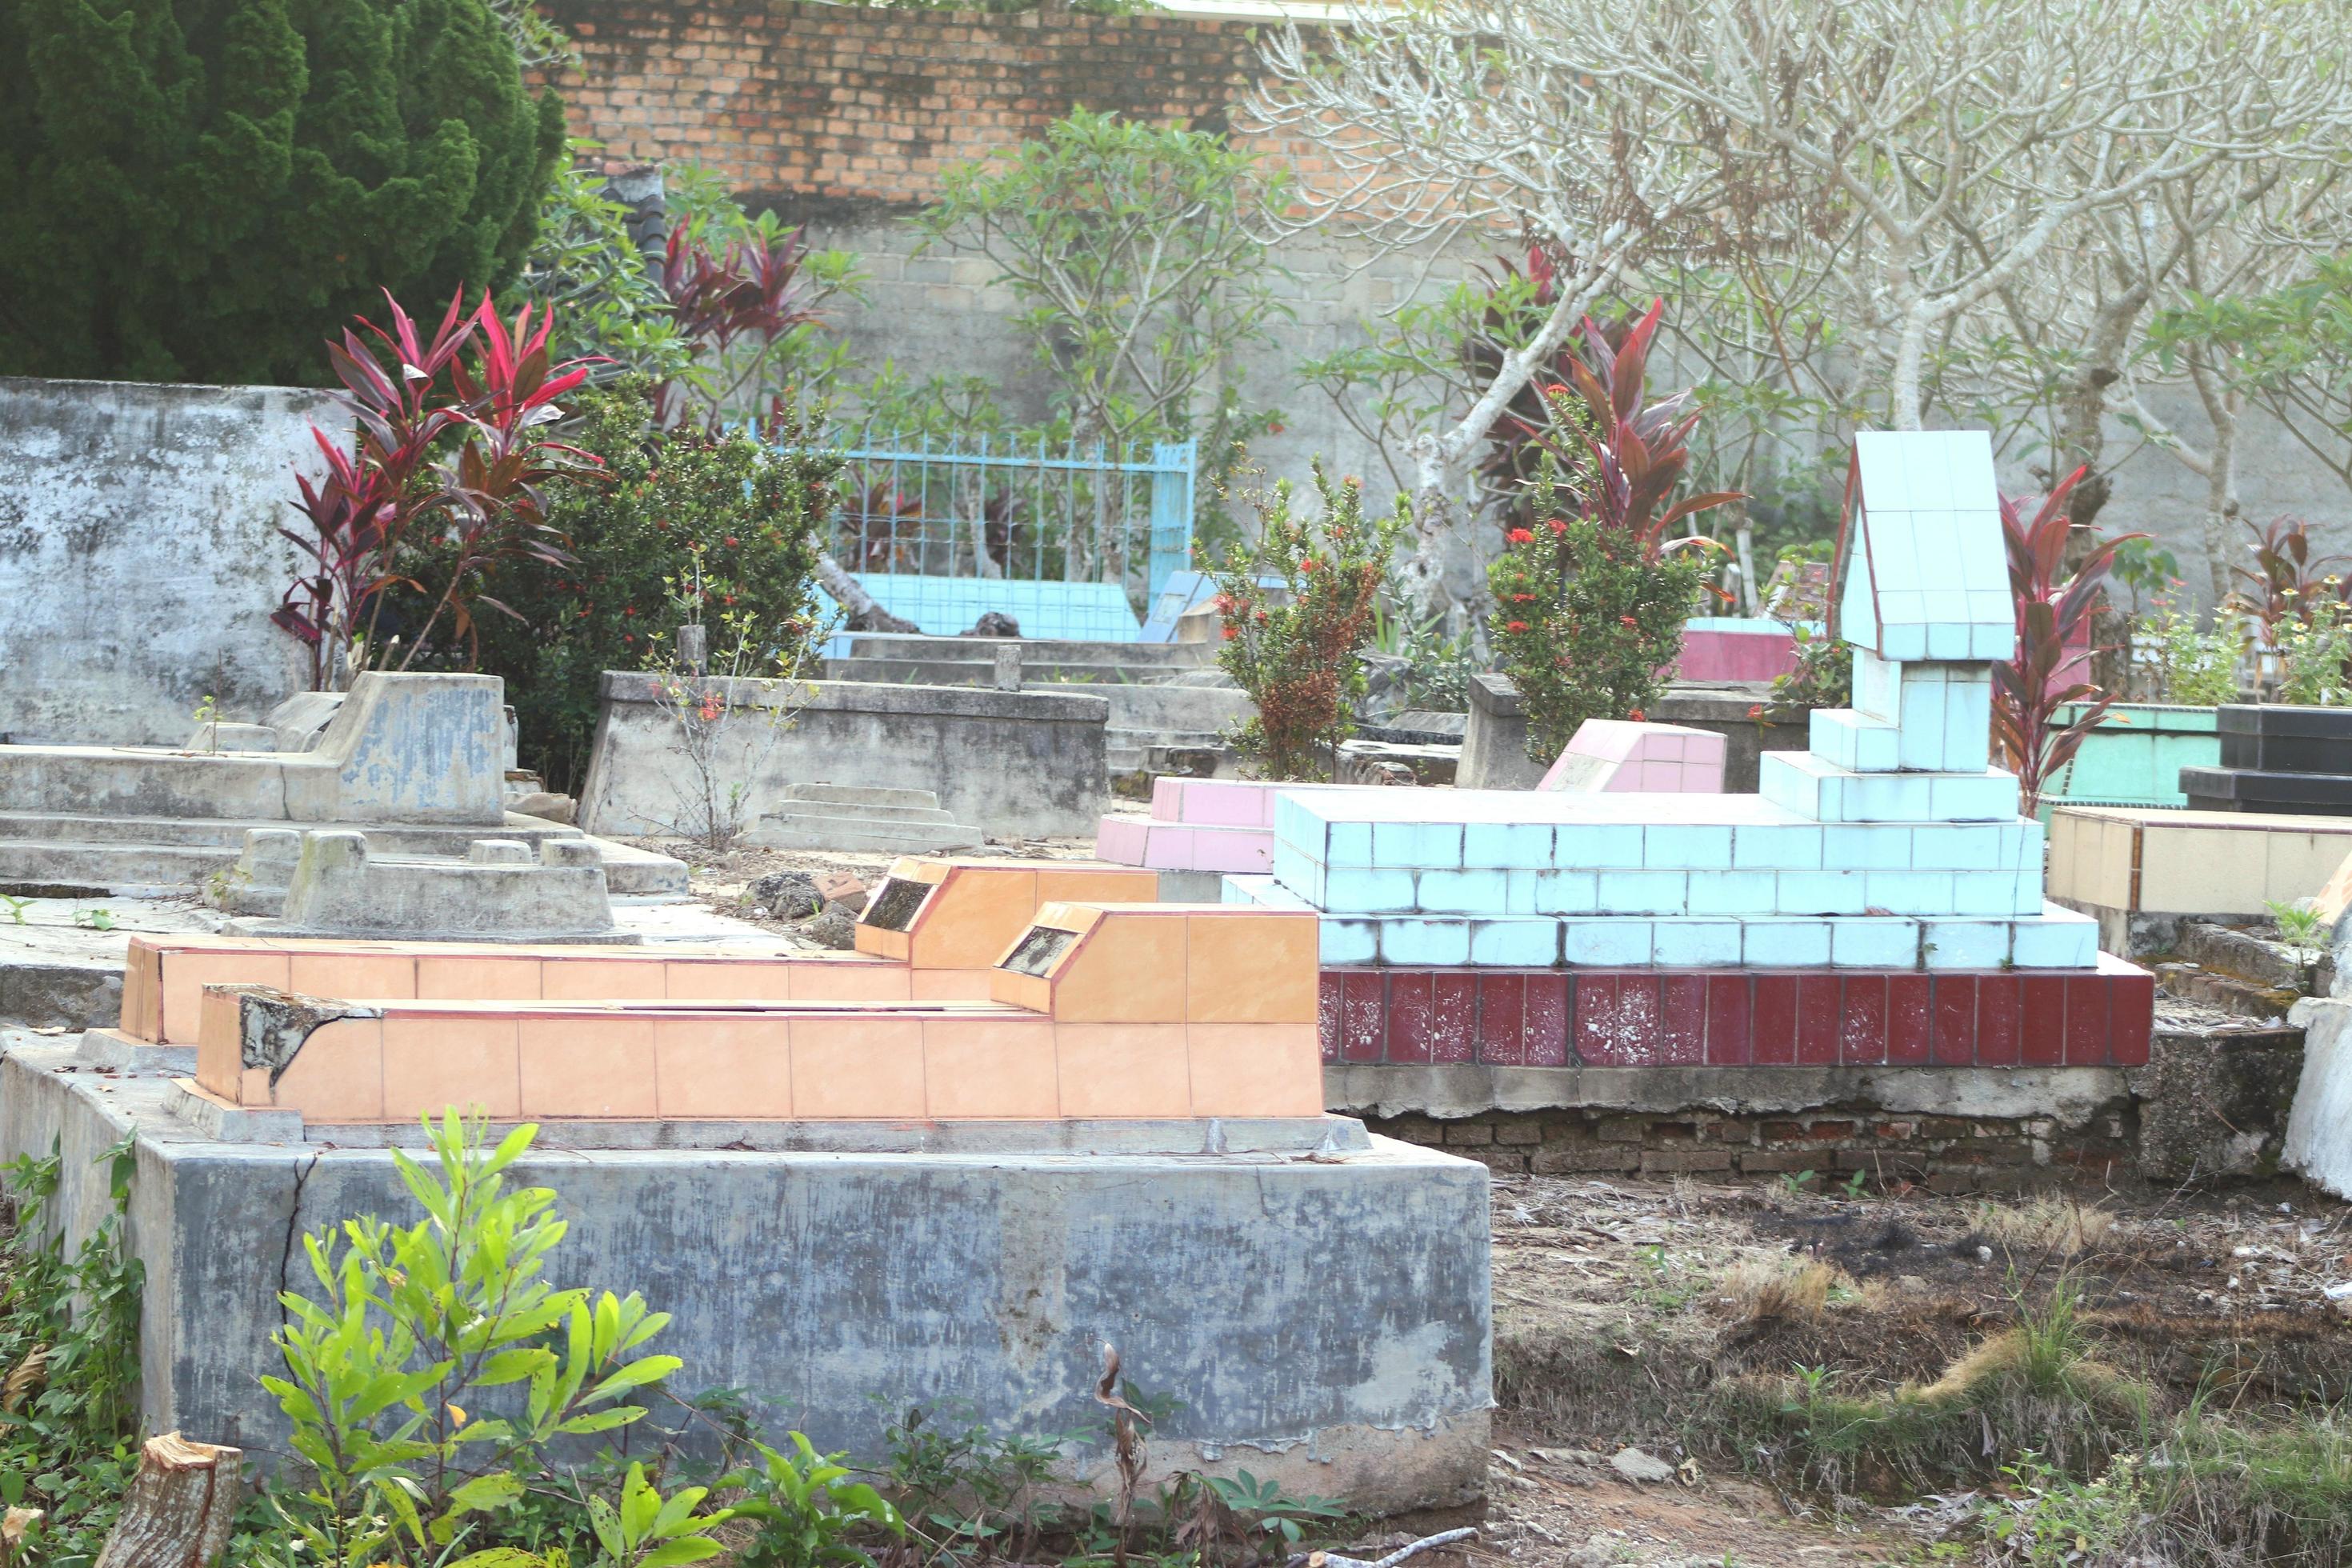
(1775, 848)
(1348, 942)
(1818, 893)
(1909, 892)
(1873, 942)
(1565, 892)
(1694, 944)
(1783, 943)
(1874, 847)
(1732, 892)
(1695, 847)
(1965, 945)
(1643, 892)
(1605, 941)
(1514, 944)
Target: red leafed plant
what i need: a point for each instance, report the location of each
(442, 480)
(2052, 614)
(748, 293)
(1634, 457)
(2287, 580)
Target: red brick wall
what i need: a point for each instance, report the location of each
(816, 106)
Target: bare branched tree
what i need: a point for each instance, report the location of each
(1955, 145)
(1483, 118)
(1897, 208)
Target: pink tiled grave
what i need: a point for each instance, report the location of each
(1198, 824)
(1725, 648)
(1608, 756)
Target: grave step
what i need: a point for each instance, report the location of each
(800, 830)
(2243, 999)
(861, 799)
(110, 857)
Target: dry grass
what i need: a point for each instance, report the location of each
(2056, 1226)
(1780, 1290)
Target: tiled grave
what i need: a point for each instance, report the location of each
(949, 921)
(2139, 872)
(1198, 824)
(1890, 847)
(2279, 759)
(1617, 756)
(1097, 1012)
(1727, 648)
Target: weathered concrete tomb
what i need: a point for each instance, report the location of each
(1024, 1120)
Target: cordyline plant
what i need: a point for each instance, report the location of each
(444, 483)
(1590, 596)
(2287, 580)
(2052, 613)
(1297, 610)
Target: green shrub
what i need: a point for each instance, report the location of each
(201, 192)
(2314, 650)
(69, 1362)
(1586, 618)
(2195, 667)
(729, 518)
(1296, 650)
(389, 1366)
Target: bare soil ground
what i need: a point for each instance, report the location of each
(1617, 1304)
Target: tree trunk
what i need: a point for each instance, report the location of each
(180, 1507)
(1438, 480)
(2221, 519)
(2083, 419)
(865, 613)
(1910, 366)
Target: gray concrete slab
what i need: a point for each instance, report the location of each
(1323, 1319)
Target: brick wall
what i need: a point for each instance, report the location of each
(1944, 1154)
(812, 107)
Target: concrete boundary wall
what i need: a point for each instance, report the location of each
(139, 554)
(1010, 763)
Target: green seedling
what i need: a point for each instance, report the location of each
(17, 907)
(95, 919)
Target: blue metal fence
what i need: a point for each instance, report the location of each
(1016, 510)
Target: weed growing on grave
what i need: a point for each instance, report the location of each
(96, 918)
(393, 1371)
(68, 1363)
(2301, 927)
(16, 908)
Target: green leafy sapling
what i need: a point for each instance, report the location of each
(415, 1325)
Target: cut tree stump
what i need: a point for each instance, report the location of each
(180, 1507)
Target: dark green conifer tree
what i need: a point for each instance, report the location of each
(205, 190)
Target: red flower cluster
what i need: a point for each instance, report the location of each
(1515, 626)
(1521, 536)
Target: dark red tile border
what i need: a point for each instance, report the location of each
(1648, 1017)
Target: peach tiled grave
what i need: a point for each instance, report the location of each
(1098, 1012)
(962, 917)
(2143, 868)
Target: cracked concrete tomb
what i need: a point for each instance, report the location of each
(1011, 1128)
(415, 762)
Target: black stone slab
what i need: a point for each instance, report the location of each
(2286, 739)
(2278, 793)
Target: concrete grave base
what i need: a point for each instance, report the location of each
(501, 892)
(1323, 1319)
(1010, 764)
(2319, 1129)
